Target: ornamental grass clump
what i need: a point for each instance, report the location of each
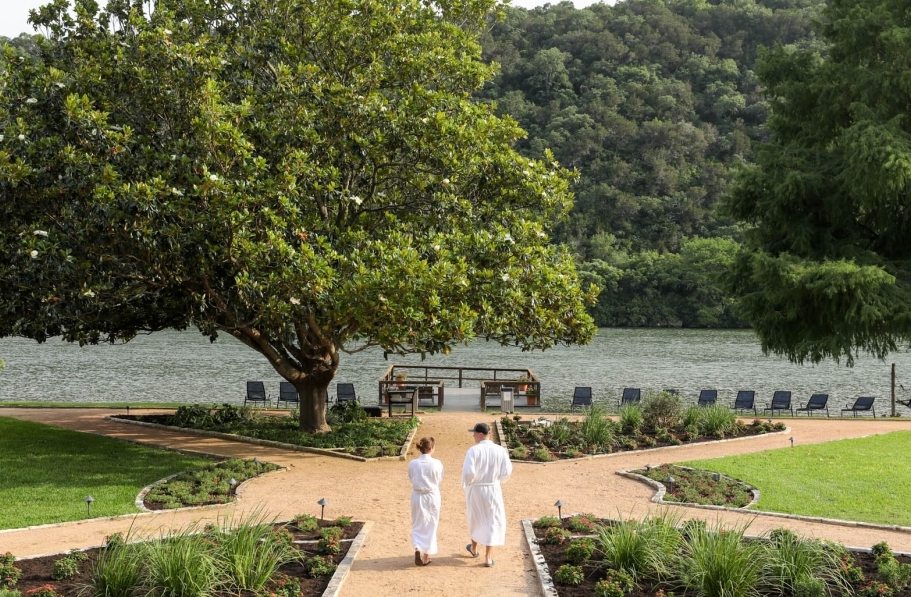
(249, 554)
(717, 421)
(631, 419)
(181, 566)
(719, 563)
(596, 429)
(791, 561)
(117, 571)
(645, 548)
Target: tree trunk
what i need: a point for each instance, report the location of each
(313, 391)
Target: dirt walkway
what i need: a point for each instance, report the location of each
(379, 491)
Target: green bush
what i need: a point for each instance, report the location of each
(875, 589)
(583, 523)
(519, 453)
(10, 593)
(286, 586)
(596, 429)
(305, 523)
(346, 412)
(546, 522)
(893, 573)
(662, 410)
(616, 583)
(43, 591)
(544, 455)
(570, 575)
(65, 567)
(555, 536)
(580, 550)
(329, 545)
(320, 566)
(809, 586)
(343, 522)
(9, 574)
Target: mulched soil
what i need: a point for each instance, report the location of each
(554, 557)
(36, 572)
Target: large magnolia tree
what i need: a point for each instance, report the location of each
(827, 272)
(308, 176)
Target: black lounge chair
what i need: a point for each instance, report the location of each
(905, 403)
(344, 392)
(862, 404)
(817, 402)
(708, 397)
(781, 400)
(405, 397)
(582, 397)
(256, 393)
(630, 396)
(287, 393)
(746, 400)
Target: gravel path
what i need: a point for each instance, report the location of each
(379, 491)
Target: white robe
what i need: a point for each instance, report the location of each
(486, 466)
(425, 473)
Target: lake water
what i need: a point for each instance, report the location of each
(184, 367)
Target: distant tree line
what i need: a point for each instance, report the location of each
(654, 103)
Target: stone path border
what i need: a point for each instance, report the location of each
(269, 443)
(344, 568)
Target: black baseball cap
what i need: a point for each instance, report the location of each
(481, 428)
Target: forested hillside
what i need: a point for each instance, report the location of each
(654, 103)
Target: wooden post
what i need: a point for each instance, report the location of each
(893, 390)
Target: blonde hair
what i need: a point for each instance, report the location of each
(425, 445)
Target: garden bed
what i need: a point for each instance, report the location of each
(660, 421)
(722, 556)
(39, 572)
(353, 434)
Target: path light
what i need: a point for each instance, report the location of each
(559, 506)
(88, 505)
(670, 484)
(232, 482)
(792, 440)
(322, 502)
(256, 461)
(648, 468)
(716, 477)
(770, 420)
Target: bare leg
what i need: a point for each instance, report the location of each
(474, 546)
(488, 553)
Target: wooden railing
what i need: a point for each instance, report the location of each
(435, 376)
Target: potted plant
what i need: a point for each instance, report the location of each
(401, 377)
(532, 396)
(523, 383)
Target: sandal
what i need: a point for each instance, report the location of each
(490, 563)
(473, 554)
(418, 560)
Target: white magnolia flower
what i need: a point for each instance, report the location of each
(424, 120)
(213, 177)
(508, 238)
(357, 200)
(88, 293)
(294, 301)
(59, 84)
(40, 233)
(173, 157)
(1, 137)
(177, 191)
(436, 247)
(505, 277)
(22, 137)
(445, 181)
(541, 234)
(31, 100)
(167, 32)
(34, 254)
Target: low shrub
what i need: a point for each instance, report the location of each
(10, 593)
(544, 455)
(343, 522)
(320, 566)
(329, 545)
(519, 453)
(582, 523)
(662, 410)
(567, 574)
(305, 523)
(44, 591)
(555, 536)
(546, 522)
(616, 583)
(580, 550)
(9, 573)
(65, 567)
(286, 586)
(875, 589)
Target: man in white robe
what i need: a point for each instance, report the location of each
(486, 466)
(425, 473)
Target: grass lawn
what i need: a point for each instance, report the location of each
(46, 473)
(866, 479)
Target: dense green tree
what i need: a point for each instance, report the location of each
(827, 268)
(309, 177)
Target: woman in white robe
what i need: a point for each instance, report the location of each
(425, 473)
